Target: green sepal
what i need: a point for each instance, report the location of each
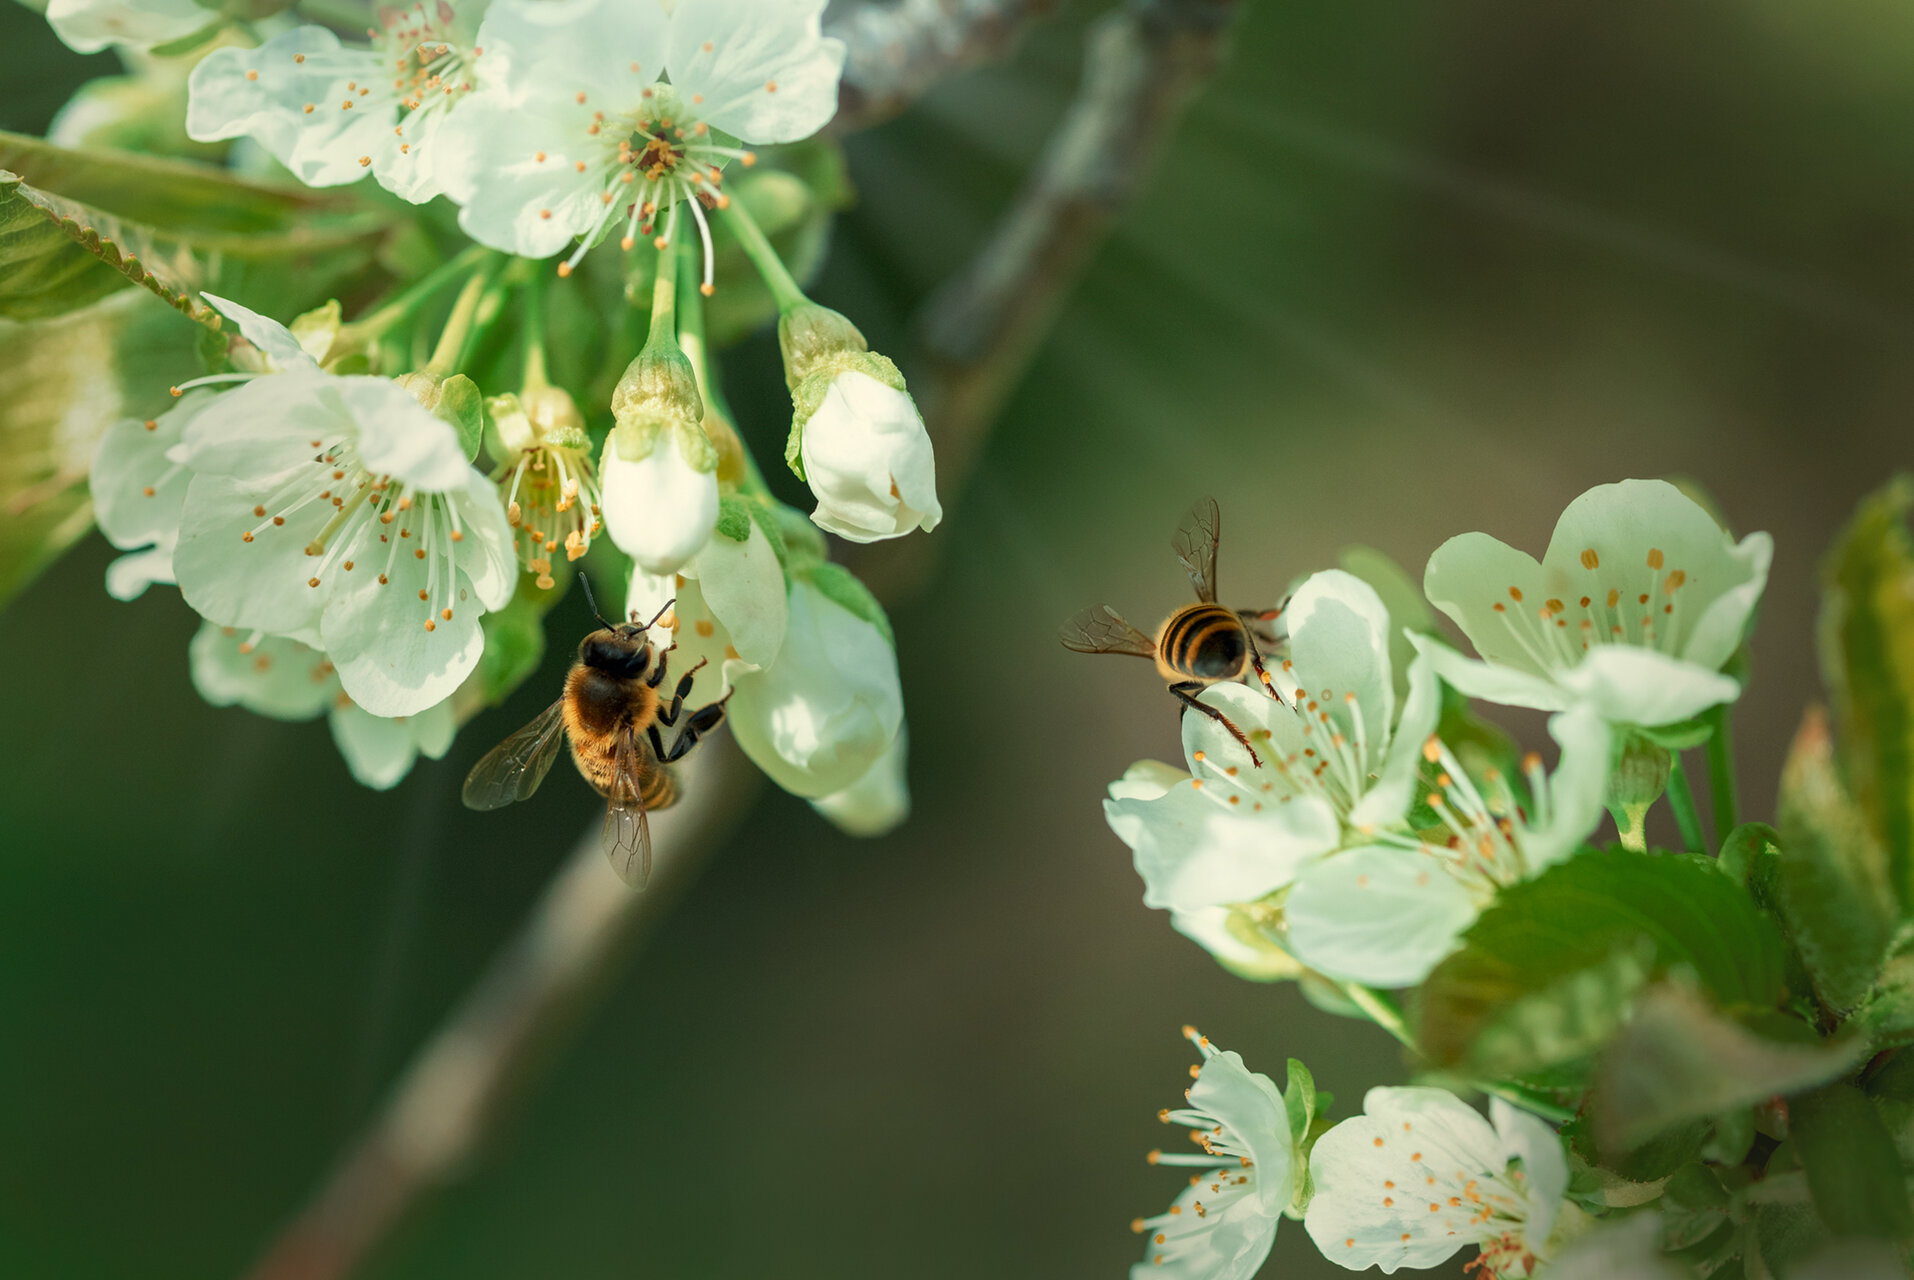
(734, 518)
(323, 321)
(1300, 1102)
(1683, 735)
(461, 404)
(840, 586)
(695, 447)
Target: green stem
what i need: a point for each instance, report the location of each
(347, 17)
(419, 292)
(692, 341)
(784, 287)
(1631, 822)
(1721, 771)
(536, 377)
(1383, 1012)
(1681, 798)
(664, 299)
(458, 326)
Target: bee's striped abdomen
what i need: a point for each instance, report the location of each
(657, 788)
(1203, 642)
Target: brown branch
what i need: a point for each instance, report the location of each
(895, 51)
(1143, 64)
(527, 1004)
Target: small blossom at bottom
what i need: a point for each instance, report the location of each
(1420, 1174)
(1222, 1225)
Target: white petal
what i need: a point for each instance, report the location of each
(1146, 780)
(128, 576)
(1272, 726)
(275, 340)
(379, 751)
(375, 634)
(399, 437)
(869, 461)
(582, 45)
(1193, 852)
(763, 68)
(1505, 686)
(1251, 1109)
(264, 428)
(488, 158)
(1388, 799)
(1491, 591)
(263, 94)
(1640, 686)
(743, 585)
(130, 459)
(876, 803)
(1544, 1169)
(658, 510)
(1339, 645)
(88, 26)
(274, 677)
(1718, 632)
(258, 585)
(1575, 790)
(1378, 915)
(1233, 1248)
(821, 715)
(486, 555)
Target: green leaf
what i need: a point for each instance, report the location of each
(1581, 930)
(1854, 1172)
(1743, 852)
(1678, 1060)
(67, 379)
(75, 226)
(1867, 658)
(1832, 884)
(1886, 1017)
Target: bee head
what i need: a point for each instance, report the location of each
(621, 651)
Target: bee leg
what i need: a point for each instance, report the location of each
(1262, 623)
(702, 721)
(1184, 691)
(669, 714)
(1262, 672)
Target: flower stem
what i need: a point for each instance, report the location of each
(1681, 798)
(664, 299)
(1631, 823)
(458, 326)
(1721, 770)
(693, 342)
(784, 287)
(419, 292)
(535, 376)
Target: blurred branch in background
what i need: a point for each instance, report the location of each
(894, 52)
(1143, 63)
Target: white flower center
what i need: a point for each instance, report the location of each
(1335, 759)
(552, 500)
(1638, 606)
(374, 522)
(649, 159)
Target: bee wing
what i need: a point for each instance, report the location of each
(627, 834)
(1195, 545)
(513, 769)
(1099, 629)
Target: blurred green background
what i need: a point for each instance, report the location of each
(1408, 270)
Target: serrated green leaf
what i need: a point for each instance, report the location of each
(1576, 918)
(1832, 885)
(68, 378)
(75, 226)
(1867, 659)
(1678, 1060)
(1853, 1170)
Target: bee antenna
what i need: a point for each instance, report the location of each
(662, 611)
(585, 582)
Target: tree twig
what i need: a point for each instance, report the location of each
(893, 52)
(526, 1005)
(1143, 63)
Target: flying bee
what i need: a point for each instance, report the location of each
(615, 717)
(1200, 644)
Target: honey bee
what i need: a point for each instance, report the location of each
(1200, 644)
(613, 714)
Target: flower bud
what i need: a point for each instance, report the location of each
(659, 469)
(856, 436)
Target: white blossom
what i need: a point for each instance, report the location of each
(341, 513)
(1420, 1174)
(138, 487)
(1222, 1225)
(600, 113)
(88, 26)
(659, 509)
(868, 460)
(331, 112)
(1639, 601)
